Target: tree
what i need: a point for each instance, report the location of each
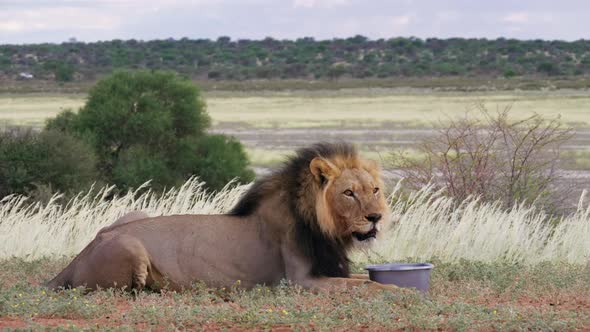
(62, 71)
(150, 109)
(548, 68)
(148, 126)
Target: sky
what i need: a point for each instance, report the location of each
(55, 21)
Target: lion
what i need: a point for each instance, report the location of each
(297, 223)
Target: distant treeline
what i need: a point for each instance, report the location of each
(304, 58)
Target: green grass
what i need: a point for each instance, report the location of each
(463, 296)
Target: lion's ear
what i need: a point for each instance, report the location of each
(322, 169)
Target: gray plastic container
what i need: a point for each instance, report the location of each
(407, 275)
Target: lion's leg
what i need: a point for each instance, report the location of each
(118, 262)
(140, 274)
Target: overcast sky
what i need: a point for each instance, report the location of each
(35, 21)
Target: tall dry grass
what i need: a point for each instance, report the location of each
(424, 226)
(429, 225)
(35, 231)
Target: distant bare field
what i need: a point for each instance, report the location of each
(272, 124)
(350, 108)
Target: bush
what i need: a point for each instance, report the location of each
(63, 122)
(495, 159)
(53, 159)
(151, 126)
(222, 159)
(137, 165)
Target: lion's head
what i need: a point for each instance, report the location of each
(333, 197)
(349, 198)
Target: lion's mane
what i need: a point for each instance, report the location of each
(295, 180)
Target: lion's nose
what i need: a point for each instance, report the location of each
(374, 217)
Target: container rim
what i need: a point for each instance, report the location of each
(399, 267)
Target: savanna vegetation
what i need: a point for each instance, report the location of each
(303, 58)
(481, 198)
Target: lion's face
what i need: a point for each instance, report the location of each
(350, 200)
(357, 203)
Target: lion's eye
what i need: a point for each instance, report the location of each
(375, 190)
(348, 192)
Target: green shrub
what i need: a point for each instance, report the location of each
(222, 159)
(137, 165)
(63, 122)
(30, 160)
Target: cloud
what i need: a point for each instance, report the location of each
(402, 20)
(54, 19)
(319, 3)
(36, 15)
(517, 17)
(521, 18)
(11, 26)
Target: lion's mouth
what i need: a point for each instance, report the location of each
(365, 236)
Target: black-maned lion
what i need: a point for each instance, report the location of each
(297, 223)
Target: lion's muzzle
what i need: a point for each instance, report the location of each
(371, 234)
